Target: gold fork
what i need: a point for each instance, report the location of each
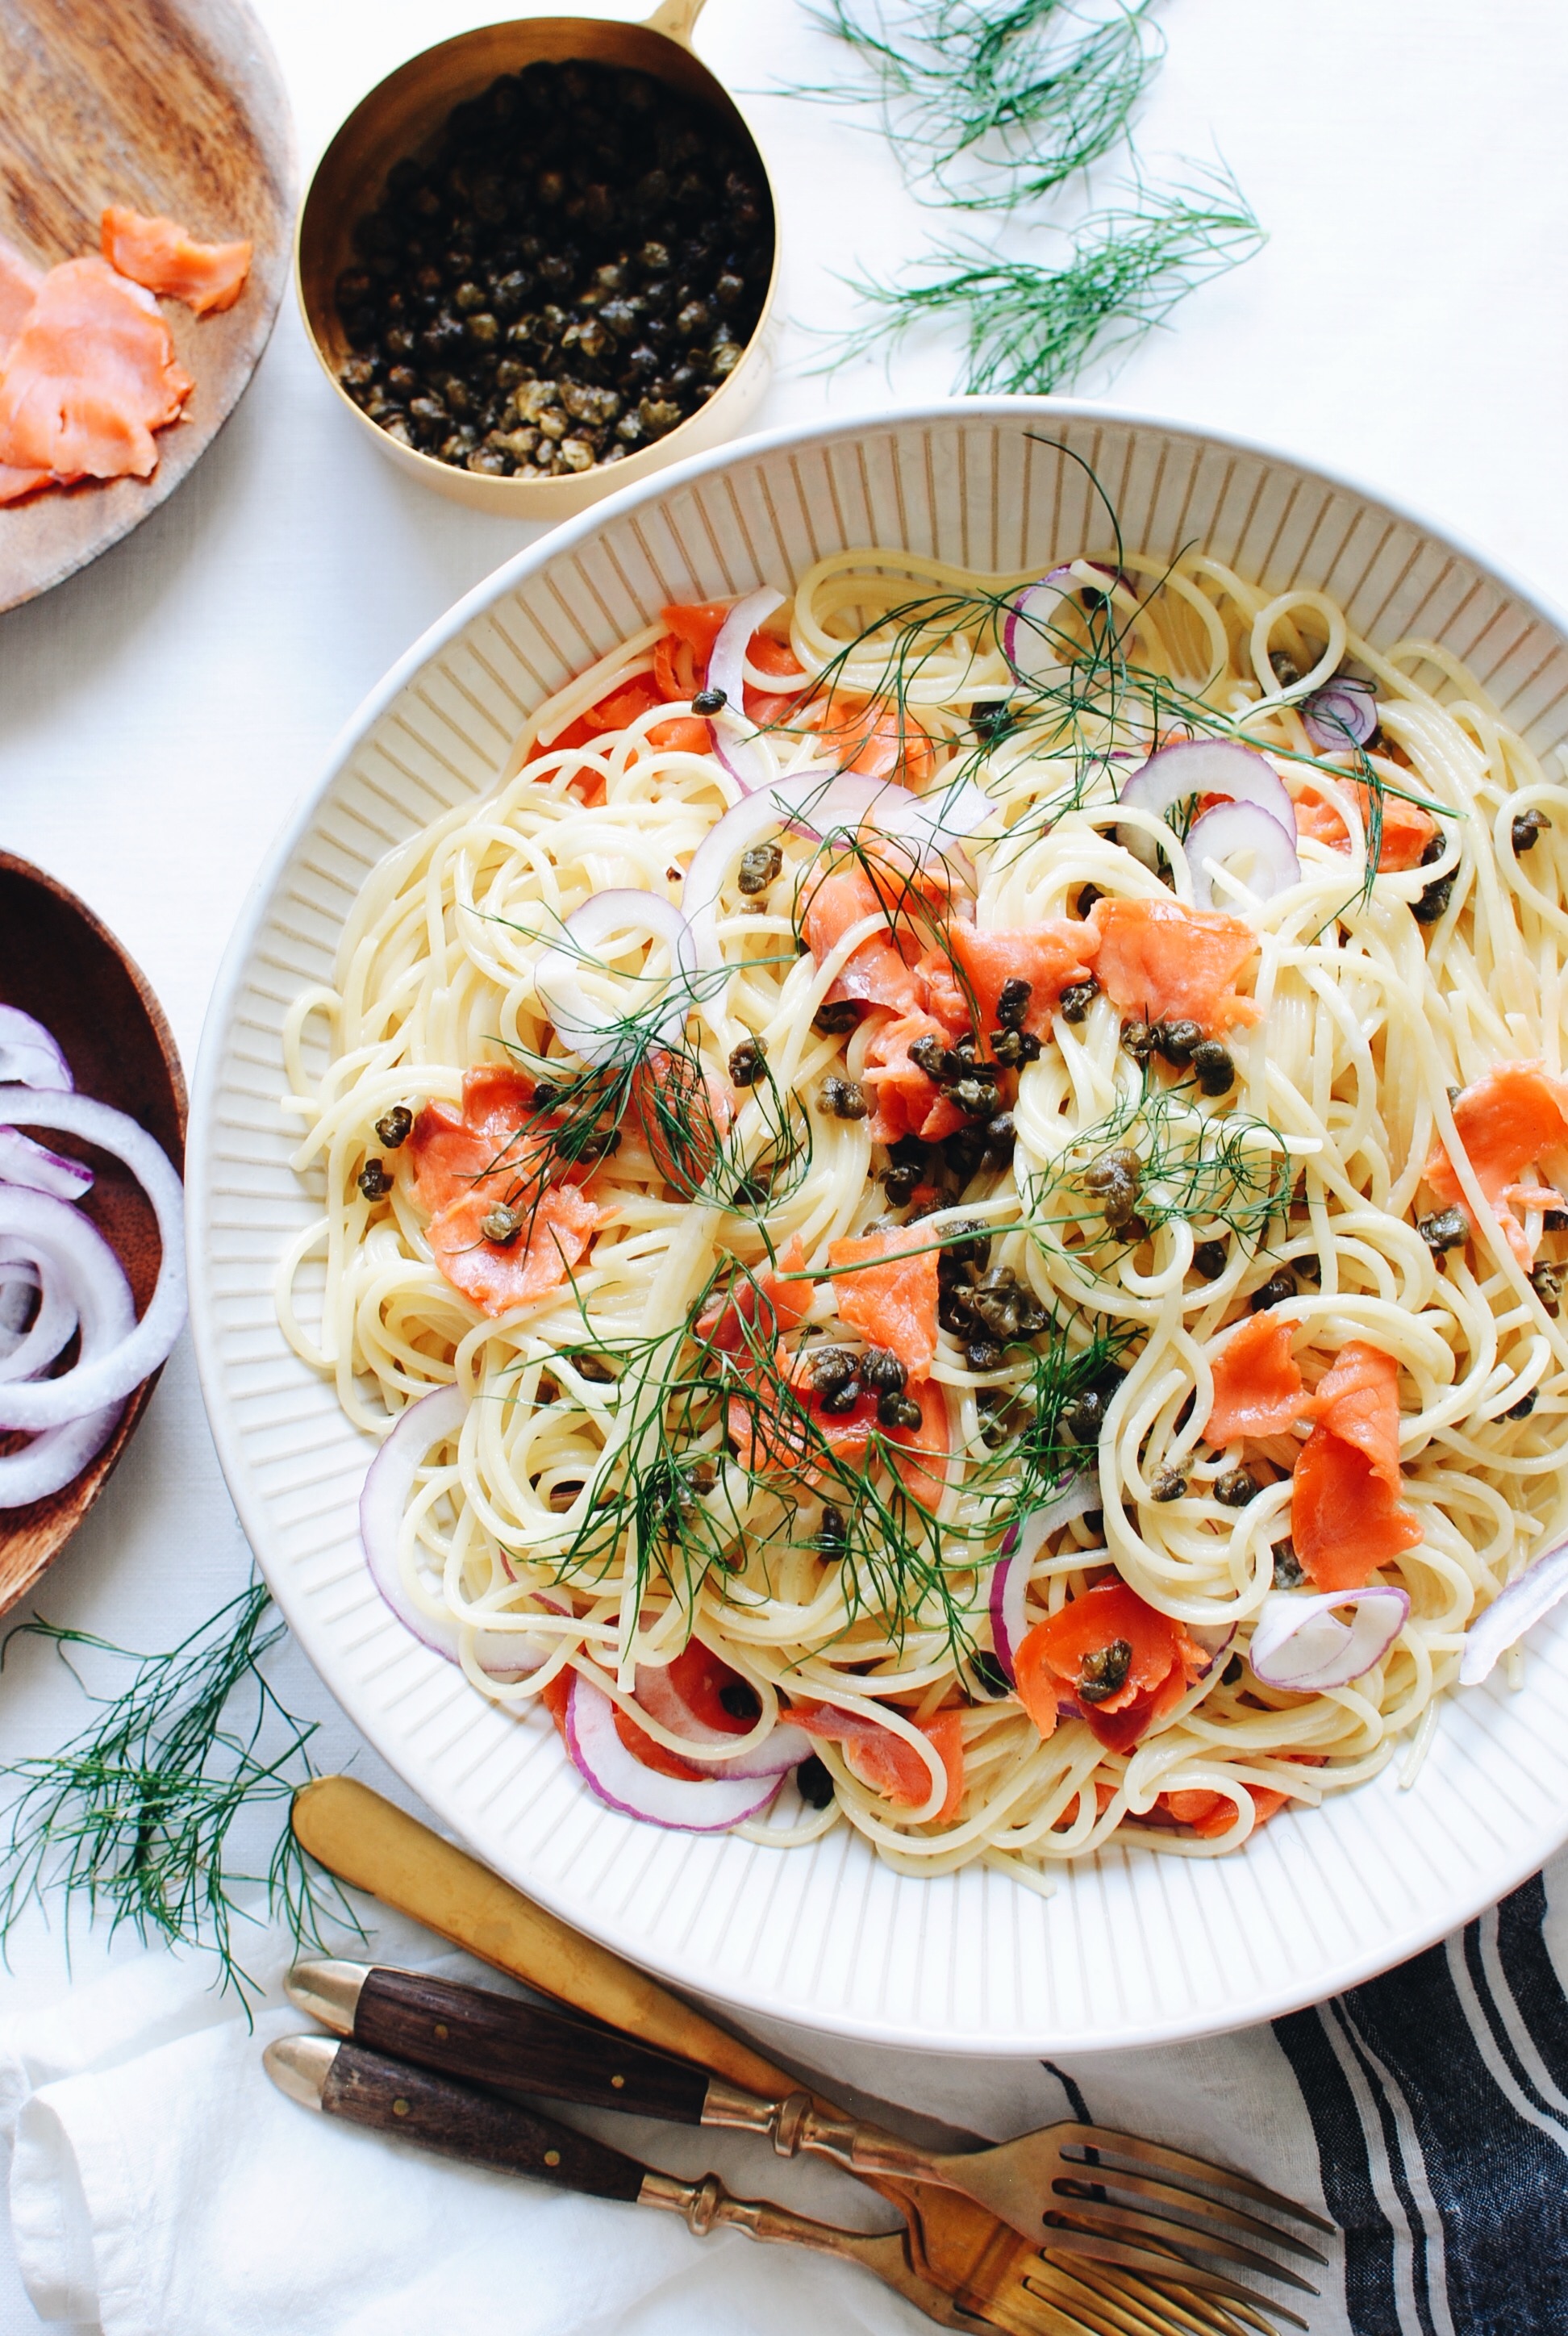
(966, 2250)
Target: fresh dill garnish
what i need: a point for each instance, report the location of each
(1224, 1169)
(1022, 97)
(1032, 326)
(134, 1815)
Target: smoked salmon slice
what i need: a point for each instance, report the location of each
(876, 973)
(15, 484)
(1346, 1515)
(1111, 1659)
(1408, 830)
(1047, 956)
(450, 1153)
(90, 377)
(166, 258)
(908, 1100)
(1515, 1115)
(1169, 963)
(759, 1307)
(1258, 1389)
(557, 1229)
(883, 1762)
(886, 1287)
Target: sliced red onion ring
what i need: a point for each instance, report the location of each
(1231, 830)
(29, 1056)
(109, 1374)
(72, 1255)
(1020, 1547)
(502, 1655)
(1343, 713)
(1301, 1642)
(1517, 1609)
(1027, 634)
(1203, 766)
(603, 1762)
(591, 1028)
(25, 1354)
(736, 741)
(784, 1747)
(23, 1161)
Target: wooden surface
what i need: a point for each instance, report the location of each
(59, 964)
(173, 106)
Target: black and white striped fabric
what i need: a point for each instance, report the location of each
(1438, 2095)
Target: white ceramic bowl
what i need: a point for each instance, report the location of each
(1134, 1947)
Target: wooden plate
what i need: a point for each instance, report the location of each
(58, 963)
(171, 106)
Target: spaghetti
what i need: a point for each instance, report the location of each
(978, 1150)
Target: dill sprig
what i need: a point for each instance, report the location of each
(133, 1816)
(1033, 328)
(1024, 96)
(1226, 1170)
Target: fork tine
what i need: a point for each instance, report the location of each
(1193, 2201)
(1101, 2309)
(1158, 2265)
(1125, 2222)
(1166, 2311)
(1125, 2301)
(1196, 2169)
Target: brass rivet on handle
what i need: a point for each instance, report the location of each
(552, 2157)
(399, 2109)
(442, 2030)
(619, 2082)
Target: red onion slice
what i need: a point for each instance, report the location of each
(737, 741)
(1203, 766)
(1021, 1546)
(502, 1655)
(29, 1056)
(108, 1376)
(1026, 632)
(782, 1748)
(23, 1161)
(1515, 1610)
(1342, 714)
(1215, 1638)
(1302, 1643)
(587, 1025)
(619, 1778)
(1235, 830)
(71, 1256)
(25, 1354)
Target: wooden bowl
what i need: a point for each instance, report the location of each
(58, 963)
(175, 108)
(404, 115)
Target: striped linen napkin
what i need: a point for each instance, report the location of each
(160, 2186)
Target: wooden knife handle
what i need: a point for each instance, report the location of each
(523, 2048)
(438, 2114)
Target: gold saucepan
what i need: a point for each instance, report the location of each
(404, 115)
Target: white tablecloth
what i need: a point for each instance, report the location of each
(157, 714)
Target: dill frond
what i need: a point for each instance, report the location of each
(1024, 96)
(1030, 327)
(133, 1817)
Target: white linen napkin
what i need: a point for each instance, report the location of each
(161, 2187)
